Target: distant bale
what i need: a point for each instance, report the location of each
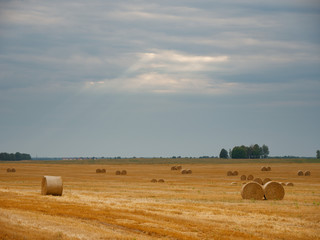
(233, 183)
(118, 172)
(123, 172)
(183, 171)
(103, 170)
(179, 167)
(307, 173)
(8, 169)
(265, 181)
(290, 184)
(153, 180)
(252, 190)
(51, 185)
(174, 168)
(258, 180)
(250, 177)
(13, 170)
(264, 169)
(161, 180)
(98, 170)
(300, 173)
(283, 184)
(273, 191)
(243, 177)
(268, 168)
(235, 173)
(229, 173)
(189, 171)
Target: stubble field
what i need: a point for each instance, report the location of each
(201, 205)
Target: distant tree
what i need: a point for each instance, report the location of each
(223, 153)
(14, 156)
(239, 152)
(318, 154)
(255, 151)
(264, 151)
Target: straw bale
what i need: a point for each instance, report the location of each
(243, 177)
(273, 191)
(118, 172)
(13, 170)
(153, 180)
(179, 167)
(264, 169)
(266, 180)
(98, 170)
(290, 184)
(103, 170)
(250, 177)
(183, 171)
(307, 173)
(229, 173)
(235, 173)
(8, 169)
(252, 190)
(268, 168)
(123, 172)
(174, 168)
(161, 180)
(189, 171)
(51, 185)
(233, 183)
(258, 180)
(300, 173)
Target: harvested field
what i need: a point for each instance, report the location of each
(202, 205)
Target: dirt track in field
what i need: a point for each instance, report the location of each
(201, 205)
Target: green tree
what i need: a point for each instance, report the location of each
(264, 151)
(318, 154)
(239, 152)
(223, 153)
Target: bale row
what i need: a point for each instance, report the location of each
(186, 171)
(155, 180)
(123, 172)
(266, 168)
(270, 191)
(176, 168)
(306, 173)
(11, 170)
(98, 170)
(244, 177)
(232, 173)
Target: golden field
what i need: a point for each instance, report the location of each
(201, 205)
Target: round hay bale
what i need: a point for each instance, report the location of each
(307, 173)
(98, 170)
(264, 169)
(250, 177)
(189, 171)
(300, 173)
(282, 183)
(153, 180)
(123, 172)
(268, 168)
(118, 172)
(183, 171)
(290, 184)
(13, 170)
(235, 173)
(252, 190)
(8, 169)
(161, 180)
(103, 170)
(258, 180)
(229, 173)
(179, 167)
(51, 185)
(265, 181)
(243, 177)
(273, 191)
(173, 168)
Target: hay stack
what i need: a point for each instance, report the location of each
(153, 180)
(179, 167)
(123, 172)
(173, 168)
(103, 170)
(189, 171)
(8, 169)
(265, 181)
(307, 173)
(268, 168)
(183, 171)
(98, 170)
(300, 173)
(273, 191)
(51, 185)
(264, 169)
(118, 172)
(250, 177)
(243, 177)
(290, 184)
(235, 173)
(258, 180)
(14, 170)
(161, 180)
(229, 173)
(252, 190)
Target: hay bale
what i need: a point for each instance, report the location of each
(258, 180)
(243, 177)
(264, 169)
(244, 183)
(118, 172)
(173, 168)
(51, 185)
(307, 173)
(189, 171)
(252, 190)
(179, 167)
(233, 183)
(103, 170)
(290, 184)
(8, 169)
(282, 183)
(123, 172)
(273, 191)
(268, 168)
(161, 180)
(153, 180)
(13, 170)
(229, 173)
(235, 173)
(98, 170)
(250, 177)
(300, 173)
(183, 171)
(265, 181)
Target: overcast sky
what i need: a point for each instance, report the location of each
(159, 78)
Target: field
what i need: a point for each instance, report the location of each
(201, 205)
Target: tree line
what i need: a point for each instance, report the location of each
(253, 151)
(14, 156)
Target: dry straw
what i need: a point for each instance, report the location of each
(307, 173)
(300, 173)
(243, 177)
(283, 184)
(233, 183)
(252, 190)
(250, 177)
(229, 173)
(290, 184)
(161, 180)
(273, 191)
(179, 167)
(154, 180)
(258, 180)
(235, 173)
(51, 185)
(266, 180)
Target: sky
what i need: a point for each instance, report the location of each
(159, 78)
